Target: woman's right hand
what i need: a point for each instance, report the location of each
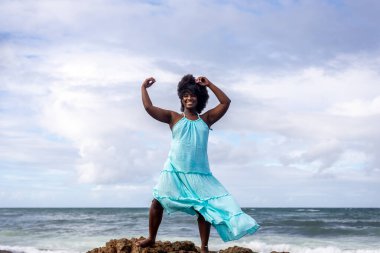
(148, 82)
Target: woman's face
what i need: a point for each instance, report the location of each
(189, 100)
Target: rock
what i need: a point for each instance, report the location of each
(5, 251)
(128, 246)
(236, 249)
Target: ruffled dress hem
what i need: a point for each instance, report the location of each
(230, 225)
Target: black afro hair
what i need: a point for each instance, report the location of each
(188, 84)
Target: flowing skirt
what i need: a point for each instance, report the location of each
(202, 192)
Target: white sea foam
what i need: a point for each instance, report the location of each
(25, 249)
(262, 247)
(307, 210)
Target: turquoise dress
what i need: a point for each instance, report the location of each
(186, 183)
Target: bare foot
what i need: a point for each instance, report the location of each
(145, 243)
(204, 249)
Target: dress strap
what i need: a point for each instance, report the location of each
(184, 115)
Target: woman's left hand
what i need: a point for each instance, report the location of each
(201, 80)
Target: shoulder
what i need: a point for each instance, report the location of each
(175, 117)
(175, 114)
(204, 117)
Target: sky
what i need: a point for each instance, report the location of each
(303, 77)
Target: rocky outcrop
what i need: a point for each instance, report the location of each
(236, 249)
(128, 246)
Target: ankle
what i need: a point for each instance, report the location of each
(204, 249)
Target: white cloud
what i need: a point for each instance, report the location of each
(305, 103)
(357, 108)
(322, 132)
(103, 119)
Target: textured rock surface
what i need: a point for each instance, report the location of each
(128, 246)
(236, 249)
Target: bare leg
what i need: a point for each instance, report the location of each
(155, 217)
(204, 231)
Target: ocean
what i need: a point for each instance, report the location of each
(297, 230)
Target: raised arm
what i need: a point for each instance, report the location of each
(156, 112)
(214, 114)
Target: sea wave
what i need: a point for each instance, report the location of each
(256, 246)
(262, 247)
(27, 249)
(307, 210)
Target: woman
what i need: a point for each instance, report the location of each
(186, 183)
